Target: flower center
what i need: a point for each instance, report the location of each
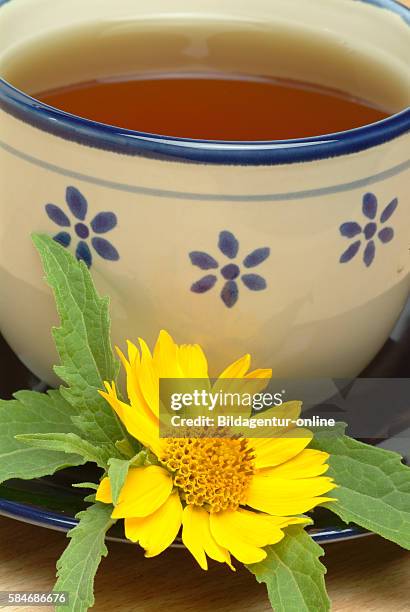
(370, 230)
(230, 271)
(82, 230)
(211, 472)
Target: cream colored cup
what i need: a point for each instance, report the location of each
(296, 251)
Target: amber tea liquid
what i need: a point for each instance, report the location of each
(207, 81)
(217, 108)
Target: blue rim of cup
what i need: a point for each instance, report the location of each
(254, 153)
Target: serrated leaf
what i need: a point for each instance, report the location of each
(374, 486)
(78, 564)
(83, 342)
(67, 443)
(293, 574)
(117, 473)
(33, 412)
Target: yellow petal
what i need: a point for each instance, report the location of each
(144, 491)
(104, 492)
(121, 408)
(285, 521)
(158, 530)
(132, 368)
(307, 464)
(284, 497)
(287, 410)
(142, 380)
(238, 369)
(234, 379)
(148, 378)
(274, 451)
(133, 353)
(148, 434)
(165, 358)
(123, 358)
(136, 422)
(260, 379)
(245, 533)
(197, 537)
(260, 373)
(192, 361)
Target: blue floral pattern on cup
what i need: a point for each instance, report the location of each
(231, 271)
(372, 231)
(82, 231)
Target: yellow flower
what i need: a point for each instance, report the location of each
(231, 496)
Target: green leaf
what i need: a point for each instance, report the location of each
(90, 498)
(33, 412)
(78, 564)
(293, 574)
(85, 485)
(118, 470)
(374, 486)
(117, 474)
(83, 343)
(143, 458)
(125, 447)
(67, 443)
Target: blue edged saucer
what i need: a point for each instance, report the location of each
(53, 503)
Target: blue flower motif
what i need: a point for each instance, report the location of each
(369, 231)
(102, 223)
(230, 272)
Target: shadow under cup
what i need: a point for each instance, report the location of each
(295, 251)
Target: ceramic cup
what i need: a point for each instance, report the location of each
(295, 251)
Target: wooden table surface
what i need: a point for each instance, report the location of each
(366, 575)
